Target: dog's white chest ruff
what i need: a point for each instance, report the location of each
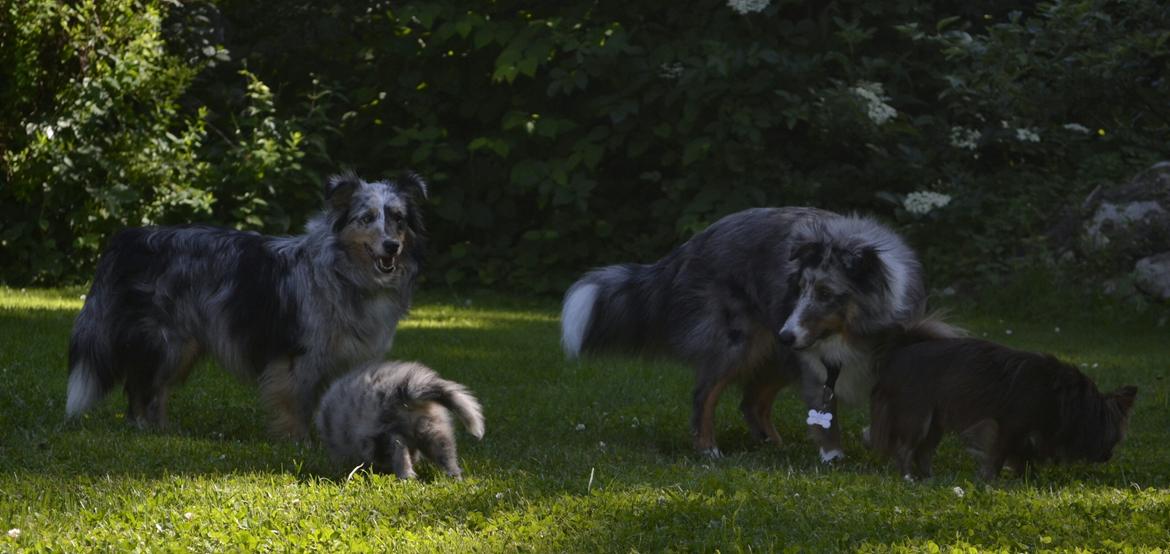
(856, 377)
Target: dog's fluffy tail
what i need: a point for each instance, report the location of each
(611, 309)
(429, 387)
(91, 370)
(932, 326)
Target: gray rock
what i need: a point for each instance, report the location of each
(1132, 219)
(1116, 219)
(1152, 275)
(1114, 227)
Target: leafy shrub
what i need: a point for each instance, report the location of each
(564, 135)
(98, 139)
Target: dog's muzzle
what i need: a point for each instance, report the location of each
(384, 264)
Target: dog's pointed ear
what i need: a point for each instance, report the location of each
(807, 253)
(411, 183)
(339, 190)
(1124, 397)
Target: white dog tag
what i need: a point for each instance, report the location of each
(817, 417)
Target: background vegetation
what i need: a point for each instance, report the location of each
(563, 135)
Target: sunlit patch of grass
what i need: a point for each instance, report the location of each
(41, 299)
(586, 456)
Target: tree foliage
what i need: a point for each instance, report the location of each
(564, 135)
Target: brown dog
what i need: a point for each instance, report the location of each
(1010, 407)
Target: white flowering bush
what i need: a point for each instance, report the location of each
(965, 139)
(1027, 135)
(744, 7)
(874, 98)
(924, 202)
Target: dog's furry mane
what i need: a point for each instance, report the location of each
(289, 312)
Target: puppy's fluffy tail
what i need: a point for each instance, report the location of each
(429, 387)
(611, 309)
(932, 326)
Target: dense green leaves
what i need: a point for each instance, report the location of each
(560, 136)
(98, 137)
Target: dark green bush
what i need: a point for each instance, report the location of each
(95, 137)
(564, 135)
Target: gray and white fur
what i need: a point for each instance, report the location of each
(289, 313)
(762, 297)
(388, 415)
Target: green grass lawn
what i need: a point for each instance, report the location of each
(590, 456)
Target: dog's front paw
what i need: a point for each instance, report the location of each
(830, 456)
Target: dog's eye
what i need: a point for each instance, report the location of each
(366, 219)
(394, 216)
(824, 294)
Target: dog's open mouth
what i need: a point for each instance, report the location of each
(384, 264)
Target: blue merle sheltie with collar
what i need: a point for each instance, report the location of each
(289, 313)
(764, 297)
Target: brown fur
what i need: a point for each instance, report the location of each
(1010, 407)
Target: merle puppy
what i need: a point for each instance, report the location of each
(390, 414)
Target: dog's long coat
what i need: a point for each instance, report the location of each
(1011, 407)
(761, 297)
(288, 312)
(387, 414)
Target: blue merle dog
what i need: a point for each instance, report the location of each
(289, 313)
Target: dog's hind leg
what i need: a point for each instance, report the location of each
(924, 451)
(174, 371)
(278, 388)
(400, 459)
(706, 396)
(983, 441)
(157, 359)
(759, 394)
(440, 448)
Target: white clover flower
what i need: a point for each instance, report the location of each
(744, 7)
(875, 99)
(1027, 135)
(580, 427)
(1077, 128)
(670, 71)
(14, 533)
(966, 139)
(959, 492)
(923, 202)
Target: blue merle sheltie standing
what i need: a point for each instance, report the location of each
(287, 312)
(764, 297)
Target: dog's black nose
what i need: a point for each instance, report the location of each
(787, 337)
(390, 246)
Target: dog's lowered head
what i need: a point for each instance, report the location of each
(849, 280)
